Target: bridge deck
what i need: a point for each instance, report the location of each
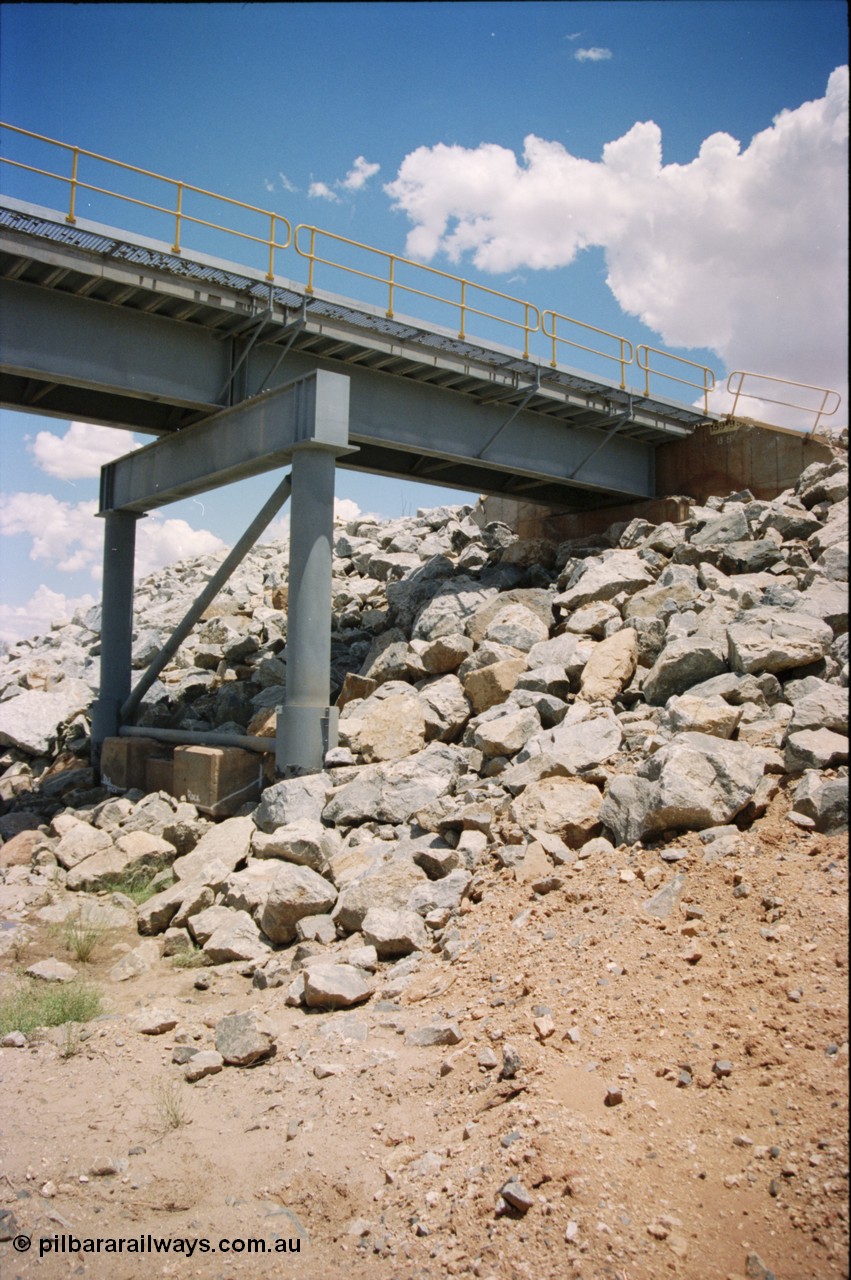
(117, 329)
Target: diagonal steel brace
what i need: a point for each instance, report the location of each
(613, 431)
(257, 325)
(536, 386)
(266, 513)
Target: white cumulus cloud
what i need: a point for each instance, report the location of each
(80, 453)
(62, 534)
(355, 180)
(68, 537)
(741, 250)
(161, 541)
(593, 55)
(278, 530)
(322, 191)
(346, 509)
(359, 174)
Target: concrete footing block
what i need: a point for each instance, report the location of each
(123, 762)
(218, 780)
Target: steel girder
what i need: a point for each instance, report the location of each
(147, 372)
(249, 439)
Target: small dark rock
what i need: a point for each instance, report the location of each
(755, 1268)
(511, 1063)
(517, 1197)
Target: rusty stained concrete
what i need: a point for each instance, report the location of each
(723, 457)
(719, 458)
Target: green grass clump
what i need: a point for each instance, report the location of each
(191, 959)
(171, 1112)
(32, 1005)
(71, 1040)
(82, 937)
(136, 885)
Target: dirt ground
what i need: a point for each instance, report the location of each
(681, 1107)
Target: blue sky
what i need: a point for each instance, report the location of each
(671, 171)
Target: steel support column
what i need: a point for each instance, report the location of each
(116, 632)
(307, 725)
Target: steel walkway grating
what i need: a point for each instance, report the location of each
(333, 329)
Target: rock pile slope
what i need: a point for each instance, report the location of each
(463, 658)
(543, 749)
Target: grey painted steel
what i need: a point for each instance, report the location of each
(307, 423)
(390, 414)
(206, 330)
(532, 391)
(613, 431)
(119, 546)
(307, 725)
(391, 395)
(236, 555)
(388, 417)
(81, 342)
(188, 737)
(249, 439)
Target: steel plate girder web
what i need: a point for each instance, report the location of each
(531, 444)
(63, 338)
(251, 438)
(393, 413)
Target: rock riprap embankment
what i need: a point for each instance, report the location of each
(502, 703)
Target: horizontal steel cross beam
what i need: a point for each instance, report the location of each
(247, 440)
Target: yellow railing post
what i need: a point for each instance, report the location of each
(463, 307)
(554, 361)
(708, 377)
(737, 380)
(178, 213)
(741, 378)
(270, 274)
(310, 258)
(391, 282)
(70, 217)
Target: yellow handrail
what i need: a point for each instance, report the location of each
(394, 286)
(821, 412)
(526, 316)
(76, 184)
(622, 358)
(706, 385)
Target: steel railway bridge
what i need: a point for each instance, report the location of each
(236, 370)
